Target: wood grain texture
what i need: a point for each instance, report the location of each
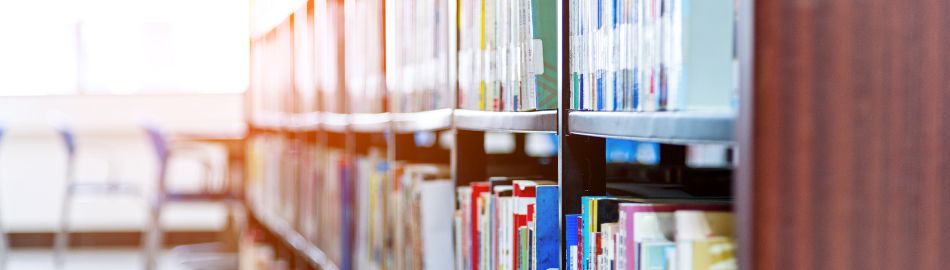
(850, 160)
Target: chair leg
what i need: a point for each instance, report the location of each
(61, 242)
(4, 248)
(152, 238)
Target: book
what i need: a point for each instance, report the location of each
(508, 55)
(419, 66)
(651, 55)
(655, 213)
(657, 256)
(422, 200)
(547, 226)
(435, 201)
(477, 189)
(704, 240)
(571, 241)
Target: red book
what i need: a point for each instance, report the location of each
(477, 189)
(524, 193)
(580, 244)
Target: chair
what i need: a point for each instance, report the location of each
(4, 242)
(165, 151)
(111, 186)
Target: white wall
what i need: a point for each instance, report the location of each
(32, 158)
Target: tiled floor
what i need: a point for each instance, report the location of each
(86, 259)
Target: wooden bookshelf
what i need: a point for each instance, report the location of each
(579, 167)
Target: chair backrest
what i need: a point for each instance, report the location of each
(69, 139)
(159, 142)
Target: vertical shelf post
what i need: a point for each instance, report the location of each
(582, 159)
(469, 160)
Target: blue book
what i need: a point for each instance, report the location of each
(570, 237)
(586, 227)
(546, 226)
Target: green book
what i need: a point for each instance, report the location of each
(523, 248)
(544, 24)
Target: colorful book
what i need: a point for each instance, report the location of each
(571, 241)
(547, 229)
(629, 212)
(704, 240)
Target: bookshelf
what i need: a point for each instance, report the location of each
(307, 143)
(369, 122)
(710, 126)
(538, 121)
(334, 122)
(440, 119)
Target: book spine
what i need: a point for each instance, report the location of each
(570, 240)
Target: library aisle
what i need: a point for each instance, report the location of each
(474, 134)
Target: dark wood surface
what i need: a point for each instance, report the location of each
(850, 122)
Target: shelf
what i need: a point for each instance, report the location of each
(658, 191)
(305, 122)
(333, 122)
(274, 121)
(422, 121)
(538, 121)
(369, 122)
(300, 245)
(713, 126)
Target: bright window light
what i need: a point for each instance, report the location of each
(123, 46)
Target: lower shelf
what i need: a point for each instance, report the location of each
(300, 245)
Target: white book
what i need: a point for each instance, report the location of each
(436, 205)
(694, 227)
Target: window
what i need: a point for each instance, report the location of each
(123, 46)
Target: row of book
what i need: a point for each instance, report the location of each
(361, 211)
(271, 66)
(301, 184)
(420, 65)
(651, 55)
(404, 223)
(507, 224)
(508, 55)
(625, 55)
(364, 61)
(513, 224)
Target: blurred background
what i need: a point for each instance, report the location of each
(100, 69)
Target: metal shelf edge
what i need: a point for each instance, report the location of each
(682, 127)
(422, 121)
(534, 121)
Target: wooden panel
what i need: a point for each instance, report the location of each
(850, 119)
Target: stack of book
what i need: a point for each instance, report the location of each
(328, 47)
(365, 89)
(372, 185)
(626, 233)
(271, 66)
(507, 224)
(305, 80)
(331, 206)
(418, 56)
(508, 55)
(651, 55)
(422, 225)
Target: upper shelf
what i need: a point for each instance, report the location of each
(537, 121)
(333, 122)
(422, 121)
(305, 122)
(709, 126)
(369, 122)
(274, 121)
